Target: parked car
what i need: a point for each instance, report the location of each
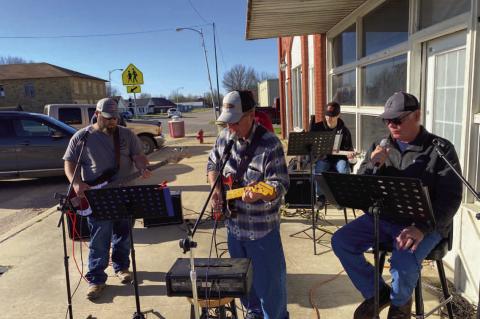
(80, 115)
(32, 145)
(173, 112)
(127, 115)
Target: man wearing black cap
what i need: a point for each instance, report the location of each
(340, 163)
(409, 152)
(111, 152)
(254, 225)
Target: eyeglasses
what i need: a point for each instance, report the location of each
(397, 120)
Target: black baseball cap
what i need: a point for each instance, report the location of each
(333, 109)
(398, 105)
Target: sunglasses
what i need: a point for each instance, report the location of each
(397, 120)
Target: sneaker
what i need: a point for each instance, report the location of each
(125, 276)
(402, 312)
(94, 291)
(367, 308)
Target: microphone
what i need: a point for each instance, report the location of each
(438, 143)
(383, 144)
(228, 148)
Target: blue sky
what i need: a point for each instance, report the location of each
(168, 59)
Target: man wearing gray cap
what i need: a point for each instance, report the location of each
(254, 222)
(111, 152)
(408, 151)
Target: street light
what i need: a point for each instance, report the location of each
(110, 80)
(206, 62)
(176, 93)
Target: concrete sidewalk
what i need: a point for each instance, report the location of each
(34, 285)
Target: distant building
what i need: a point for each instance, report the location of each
(187, 106)
(267, 92)
(33, 85)
(145, 106)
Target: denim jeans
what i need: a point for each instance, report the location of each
(268, 295)
(325, 165)
(352, 240)
(102, 233)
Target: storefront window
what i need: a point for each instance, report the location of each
(382, 79)
(372, 130)
(385, 26)
(343, 88)
(345, 47)
(350, 123)
(435, 11)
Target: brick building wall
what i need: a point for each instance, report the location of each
(34, 94)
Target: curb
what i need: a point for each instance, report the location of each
(29, 223)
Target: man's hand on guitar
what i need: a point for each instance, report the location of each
(216, 201)
(251, 195)
(146, 173)
(79, 188)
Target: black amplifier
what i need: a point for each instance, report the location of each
(217, 277)
(177, 217)
(299, 193)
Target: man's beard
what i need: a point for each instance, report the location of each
(107, 130)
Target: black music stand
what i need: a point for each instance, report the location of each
(147, 201)
(313, 144)
(400, 200)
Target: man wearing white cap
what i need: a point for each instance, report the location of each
(256, 155)
(111, 152)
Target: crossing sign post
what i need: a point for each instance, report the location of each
(132, 75)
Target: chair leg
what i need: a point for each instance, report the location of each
(345, 215)
(381, 260)
(419, 310)
(233, 309)
(354, 214)
(446, 293)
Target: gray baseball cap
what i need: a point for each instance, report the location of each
(398, 105)
(235, 104)
(108, 107)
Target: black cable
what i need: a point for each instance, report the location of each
(196, 11)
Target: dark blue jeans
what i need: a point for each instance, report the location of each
(324, 165)
(352, 240)
(268, 295)
(102, 233)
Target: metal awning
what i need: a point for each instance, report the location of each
(278, 18)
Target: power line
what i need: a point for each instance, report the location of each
(198, 13)
(95, 35)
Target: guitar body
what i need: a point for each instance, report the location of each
(229, 208)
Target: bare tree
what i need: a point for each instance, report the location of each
(240, 77)
(266, 76)
(13, 60)
(112, 91)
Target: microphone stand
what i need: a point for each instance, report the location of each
(187, 243)
(438, 148)
(66, 205)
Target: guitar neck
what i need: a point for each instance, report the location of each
(137, 174)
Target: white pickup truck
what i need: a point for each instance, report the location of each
(80, 115)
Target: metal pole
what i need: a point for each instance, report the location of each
(110, 83)
(219, 103)
(208, 72)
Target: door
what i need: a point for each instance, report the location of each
(39, 146)
(445, 105)
(8, 150)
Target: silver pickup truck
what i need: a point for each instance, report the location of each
(80, 115)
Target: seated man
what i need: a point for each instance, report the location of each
(409, 153)
(340, 163)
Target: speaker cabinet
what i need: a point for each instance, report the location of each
(299, 193)
(177, 218)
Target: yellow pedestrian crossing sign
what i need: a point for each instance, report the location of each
(132, 75)
(134, 89)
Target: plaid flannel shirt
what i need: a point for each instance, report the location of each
(254, 220)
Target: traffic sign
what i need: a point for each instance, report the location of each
(134, 89)
(132, 75)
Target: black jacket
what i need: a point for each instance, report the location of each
(346, 144)
(420, 160)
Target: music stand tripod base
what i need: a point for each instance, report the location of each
(313, 144)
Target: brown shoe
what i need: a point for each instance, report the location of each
(94, 291)
(367, 307)
(402, 312)
(125, 276)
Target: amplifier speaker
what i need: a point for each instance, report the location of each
(80, 226)
(299, 193)
(177, 218)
